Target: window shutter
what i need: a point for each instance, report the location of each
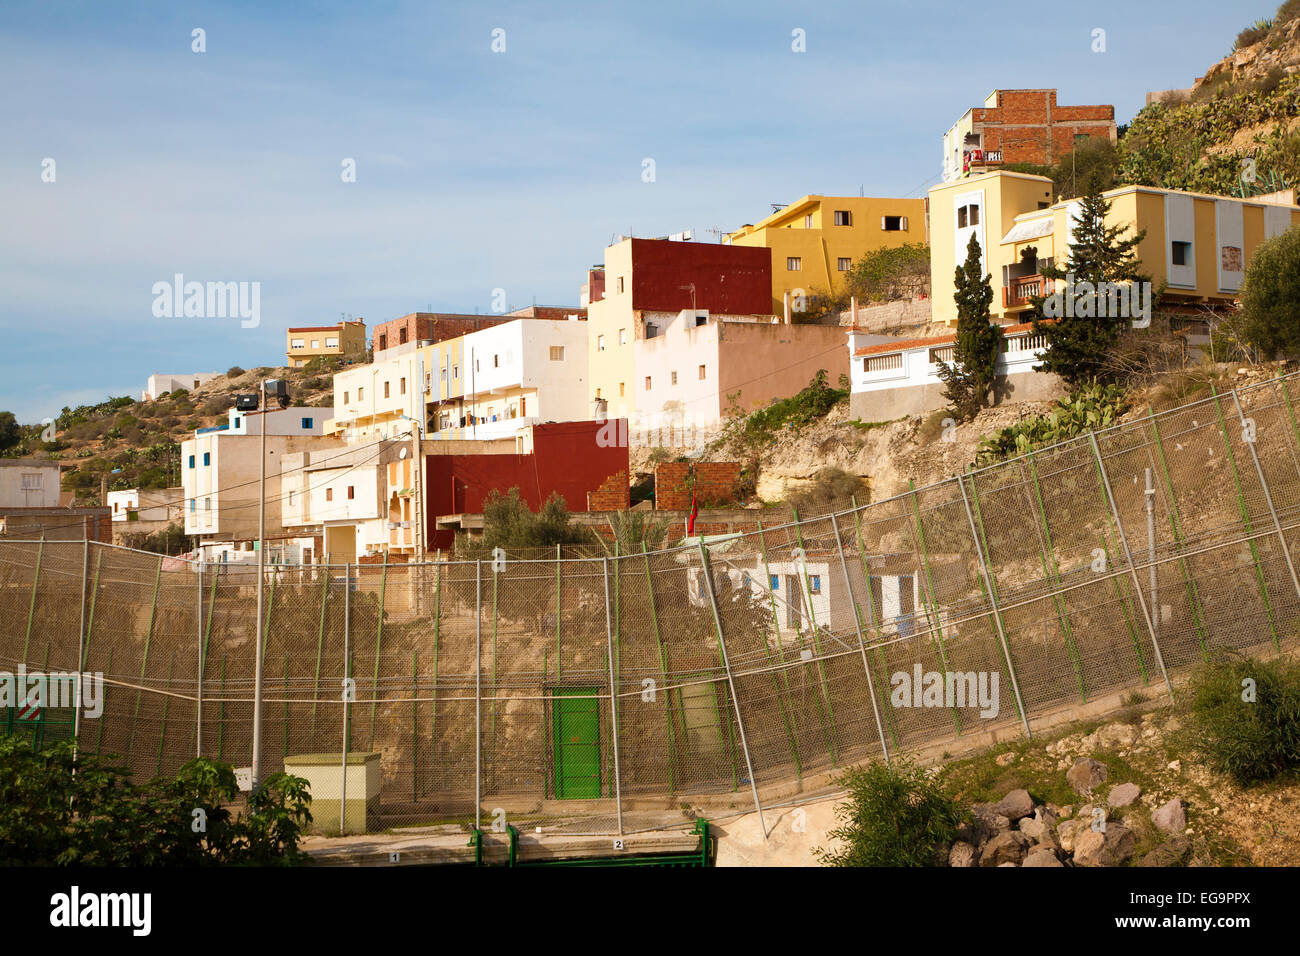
(904, 224)
(882, 222)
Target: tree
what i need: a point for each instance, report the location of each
(891, 273)
(970, 377)
(1270, 296)
(1078, 342)
(10, 431)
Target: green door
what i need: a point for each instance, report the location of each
(576, 712)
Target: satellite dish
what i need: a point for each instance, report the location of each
(402, 453)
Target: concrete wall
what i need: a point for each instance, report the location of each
(763, 362)
(43, 475)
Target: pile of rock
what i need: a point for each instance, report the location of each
(1017, 832)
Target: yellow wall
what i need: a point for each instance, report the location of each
(821, 245)
(351, 338)
(606, 317)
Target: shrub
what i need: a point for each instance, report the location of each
(1270, 295)
(889, 274)
(832, 489)
(895, 815)
(61, 809)
(1253, 34)
(812, 403)
(1090, 408)
(1250, 737)
(234, 372)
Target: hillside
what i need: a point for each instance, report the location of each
(137, 443)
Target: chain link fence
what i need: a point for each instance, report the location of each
(609, 693)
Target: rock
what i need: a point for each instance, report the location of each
(1124, 794)
(1008, 864)
(1042, 856)
(1065, 811)
(1040, 832)
(1111, 848)
(961, 854)
(1117, 735)
(988, 823)
(1005, 760)
(1171, 818)
(1085, 775)
(1173, 852)
(1009, 846)
(1176, 766)
(1015, 805)
(1066, 832)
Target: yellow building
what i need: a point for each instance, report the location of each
(1196, 246)
(307, 342)
(816, 240)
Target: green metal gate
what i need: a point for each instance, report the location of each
(576, 715)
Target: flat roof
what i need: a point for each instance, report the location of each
(884, 348)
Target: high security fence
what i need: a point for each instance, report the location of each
(614, 694)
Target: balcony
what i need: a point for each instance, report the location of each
(1018, 293)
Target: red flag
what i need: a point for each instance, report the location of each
(690, 521)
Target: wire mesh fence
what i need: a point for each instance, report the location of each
(594, 692)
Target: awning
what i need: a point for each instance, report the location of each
(1030, 229)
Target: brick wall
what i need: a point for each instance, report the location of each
(1028, 126)
(714, 482)
(614, 494)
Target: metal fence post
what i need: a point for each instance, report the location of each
(993, 604)
(198, 683)
(1128, 556)
(81, 645)
(862, 645)
(1268, 497)
(347, 691)
(613, 700)
(478, 693)
(735, 701)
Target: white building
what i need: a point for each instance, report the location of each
(161, 382)
(900, 377)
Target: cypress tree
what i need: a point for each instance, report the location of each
(969, 379)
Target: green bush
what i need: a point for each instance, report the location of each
(57, 809)
(895, 815)
(832, 489)
(1270, 296)
(1249, 737)
(234, 372)
(1253, 34)
(812, 403)
(1090, 408)
(889, 274)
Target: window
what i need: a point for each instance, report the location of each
(620, 283)
(701, 320)
(331, 343)
(622, 336)
(385, 390)
(443, 374)
(808, 221)
(962, 215)
(621, 391)
(383, 342)
(647, 383)
(351, 492)
(702, 374)
(1182, 252)
(207, 504)
(329, 494)
(193, 505)
(893, 223)
(455, 371)
(814, 584)
(315, 343)
(843, 217)
(674, 378)
(191, 461)
(296, 343)
(968, 216)
(478, 366)
(402, 385)
(600, 343)
(1079, 138)
(237, 420)
(557, 353)
(774, 582)
(496, 361)
(401, 336)
(32, 481)
(307, 424)
(881, 363)
(207, 459)
(845, 263)
(361, 393)
(793, 264)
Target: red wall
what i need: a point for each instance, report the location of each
(566, 458)
(732, 280)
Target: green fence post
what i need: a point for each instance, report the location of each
(875, 620)
(144, 658)
(783, 689)
(817, 647)
(31, 606)
(320, 647)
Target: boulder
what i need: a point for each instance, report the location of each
(1124, 794)
(1040, 831)
(1067, 831)
(1009, 846)
(1111, 848)
(961, 854)
(1117, 735)
(987, 822)
(1170, 818)
(1041, 856)
(1085, 775)
(1015, 805)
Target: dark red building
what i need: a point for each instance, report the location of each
(729, 280)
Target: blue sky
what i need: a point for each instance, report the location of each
(475, 170)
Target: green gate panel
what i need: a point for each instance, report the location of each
(576, 712)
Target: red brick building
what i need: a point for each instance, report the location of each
(1021, 126)
(417, 327)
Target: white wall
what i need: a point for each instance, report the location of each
(1024, 352)
(42, 476)
(680, 347)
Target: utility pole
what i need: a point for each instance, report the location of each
(261, 566)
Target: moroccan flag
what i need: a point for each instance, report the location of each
(690, 521)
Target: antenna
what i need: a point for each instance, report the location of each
(718, 232)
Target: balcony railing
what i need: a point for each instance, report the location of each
(1019, 292)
